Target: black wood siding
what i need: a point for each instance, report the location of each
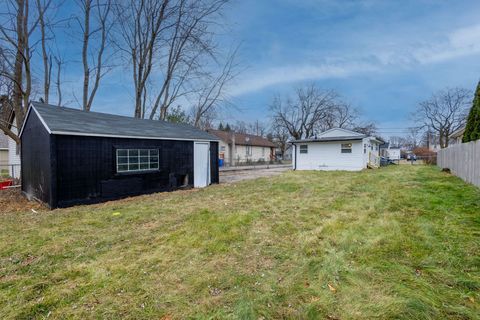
(36, 160)
(86, 168)
(214, 162)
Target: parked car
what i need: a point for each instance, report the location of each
(385, 161)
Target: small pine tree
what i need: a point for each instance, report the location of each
(472, 129)
(227, 127)
(220, 126)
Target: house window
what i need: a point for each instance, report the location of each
(304, 148)
(137, 160)
(263, 152)
(248, 150)
(346, 148)
(364, 148)
(222, 148)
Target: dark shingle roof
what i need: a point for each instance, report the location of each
(62, 120)
(242, 139)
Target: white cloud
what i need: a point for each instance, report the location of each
(294, 73)
(457, 44)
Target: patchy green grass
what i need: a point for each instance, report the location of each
(395, 243)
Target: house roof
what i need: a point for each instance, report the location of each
(337, 134)
(324, 139)
(459, 132)
(67, 121)
(242, 139)
(334, 134)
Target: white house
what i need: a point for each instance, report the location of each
(387, 151)
(13, 155)
(393, 153)
(336, 149)
(457, 135)
(7, 116)
(3, 154)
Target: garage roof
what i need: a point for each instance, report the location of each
(67, 121)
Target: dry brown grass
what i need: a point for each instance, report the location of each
(395, 243)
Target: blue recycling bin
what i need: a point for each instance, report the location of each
(220, 162)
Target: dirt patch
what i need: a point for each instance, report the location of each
(234, 176)
(12, 200)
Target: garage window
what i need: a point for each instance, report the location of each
(304, 148)
(129, 160)
(346, 148)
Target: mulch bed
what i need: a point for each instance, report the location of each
(12, 200)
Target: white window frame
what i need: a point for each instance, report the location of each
(248, 150)
(346, 148)
(304, 147)
(151, 165)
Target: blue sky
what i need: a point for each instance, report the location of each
(382, 56)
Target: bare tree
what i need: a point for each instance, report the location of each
(280, 137)
(42, 7)
(141, 25)
(341, 115)
(302, 115)
(167, 43)
(58, 83)
(367, 128)
(93, 60)
(257, 128)
(16, 29)
(213, 93)
(239, 127)
(444, 113)
(188, 42)
(413, 137)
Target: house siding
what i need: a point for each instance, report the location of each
(257, 153)
(86, 168)
(14, 160)
(36, 164)
(328, 156)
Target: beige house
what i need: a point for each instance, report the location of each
(457, 135)
(238, 148)
(3, 153)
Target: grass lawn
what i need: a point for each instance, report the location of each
(395, 243)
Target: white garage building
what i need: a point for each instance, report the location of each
(336, 149)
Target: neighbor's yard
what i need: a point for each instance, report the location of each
(401, 242)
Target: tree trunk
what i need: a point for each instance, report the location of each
(86, 70)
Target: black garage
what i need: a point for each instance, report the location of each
(70, 156)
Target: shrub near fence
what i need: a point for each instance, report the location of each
(463, 160)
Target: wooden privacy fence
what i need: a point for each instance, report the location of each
(463, 160)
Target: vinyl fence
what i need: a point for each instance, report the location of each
(463, 160)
